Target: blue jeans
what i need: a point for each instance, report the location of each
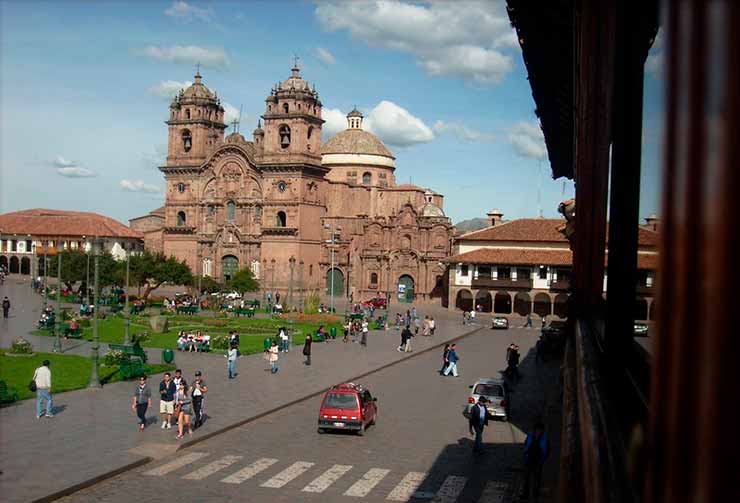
(41, 395)
(478, 447)
(232, 368)
(451, 367)
(273, 367)
(284, 345)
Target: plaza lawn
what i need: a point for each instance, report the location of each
(252, 331)
(68, 372)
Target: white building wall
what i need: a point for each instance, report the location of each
(461, 280)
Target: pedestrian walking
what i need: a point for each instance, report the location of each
(6, 306)
(425, 327)
(528, 324)
(283, 340)
(477, 421)
(413, 313)
(347, 328)
(273, 357)
(42, 383)
(363, 339)
(544, 321)
(307, 349)
(432, 325)
(405, 336)
(167, 392)
(231, 356)
(142, 401)
(407, 347)
(452, 360)
(465, 317)
(184, 411)
(417, 325)
(445, 351)
(179, 379)
(536, 452)
(198, 392)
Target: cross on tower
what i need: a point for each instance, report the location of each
(197, 69)
(295, 60)
(235, 123)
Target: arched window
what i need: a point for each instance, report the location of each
(284, 136)
(187, 140)
(285, 108)
(310, 131)
(181, 220)
(366, 178)
(211, 210)
(230, 211)
(187, 113)
(281, 219)
(374, 279)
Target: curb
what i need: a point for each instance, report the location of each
(91, 482)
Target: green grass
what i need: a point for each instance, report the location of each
(68, 372)
(252, 332)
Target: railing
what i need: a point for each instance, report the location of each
(561, 284)
(502, 283)
(280, 231)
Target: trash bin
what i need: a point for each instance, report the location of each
(168, 356)
(333, 332)
(267, 343)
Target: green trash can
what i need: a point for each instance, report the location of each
(267, 343)
(333, 332)
(168, 356)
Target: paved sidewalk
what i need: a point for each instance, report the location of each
(95, 431)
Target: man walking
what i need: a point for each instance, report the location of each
(179, 379)
(42, 378)
(6, 307)
(478, 420)
(528, 324)
(405, 336)
(452, 360)
(167, 391)
(536, 451)
(142, 401)
(231, 356)
(432, 325)
(307, 350)
(363, 337)
(198, 392)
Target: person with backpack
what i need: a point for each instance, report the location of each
(536, 451)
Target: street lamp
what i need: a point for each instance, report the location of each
(57, 348)
(291, 261)
(331, 270)
(87, 277)
(46, 266)
(300, 282)
(272, 288)
(94, 378)
(126, 314)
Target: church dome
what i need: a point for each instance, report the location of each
(431, 210)
(198, 90)
(356, 141)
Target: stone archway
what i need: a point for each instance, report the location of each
(560, 306)
(464, 300)
(522, 303)
(406, 288)
(542, 304)
(335, 282)
(25, 265)
(3, 262)
(502, 303)
(484, 300)
(641, 309)
(14, 266)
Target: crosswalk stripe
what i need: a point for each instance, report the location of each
(451, 489)
(175, 464)
(212, 468)
(362, 487)
(407, 487)
(320, 483)
(250, 471)
(293, 471)
(494, 492)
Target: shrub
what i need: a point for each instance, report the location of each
(311, 303)
(220, 341)
(84, 322)
(140, 338)
(21, 346)
(114, 358)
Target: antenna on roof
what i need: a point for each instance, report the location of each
(239, 127)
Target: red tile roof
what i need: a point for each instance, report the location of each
(521, 229)
(43, 222)
(534, 256)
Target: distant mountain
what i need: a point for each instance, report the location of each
(472, 224)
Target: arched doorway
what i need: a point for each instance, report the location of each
(464, 300)
(405, 288)
(560, 307)
(229, 267)
(542, 304)
(14, 265)
(25, 265)
(522, 303)
(335, 281)
(4, 263)
(502, 303)
(641, 309)
(438, 289)
(483, 299)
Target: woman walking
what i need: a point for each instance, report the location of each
(307, 349)
(142, 401)
(273, 351)
(347, 328)
(185, 410)
(363, 340)
(445, 352)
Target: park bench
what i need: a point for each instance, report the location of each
(136, 309)
(255, 304)
(244, 311)
(187, 309)
(7, 395)
(380, 322)
(47, 324)
(86, 310)
(135, 363)
(131, 350)
(67, 332)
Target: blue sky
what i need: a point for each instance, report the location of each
(84, 86)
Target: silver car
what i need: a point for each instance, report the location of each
(500, 322)
(494, 389)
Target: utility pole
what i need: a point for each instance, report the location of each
(300, 282)
(94, 378)
(57, 348)
(46, 266)
(126, 314)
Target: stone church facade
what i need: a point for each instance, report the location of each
(301, 215)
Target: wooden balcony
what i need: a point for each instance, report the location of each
(560, 285)
(502, 283)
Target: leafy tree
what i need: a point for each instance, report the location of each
(151, 270)
(74, 268)
(244, 281)
(208, 284)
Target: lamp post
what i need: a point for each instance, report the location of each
(87, 276)
(126, 314)
(300, 282)
(46, 266)
(331, 270)
(33, 257)
(57, 348)
(291, 261)
(94, 378)
(272, 288)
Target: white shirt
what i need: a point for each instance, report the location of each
(232, 354)
(42, 376)
(364, 326)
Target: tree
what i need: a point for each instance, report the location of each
(74, 268)
(244, 281)
(151, 270)
(208, 284)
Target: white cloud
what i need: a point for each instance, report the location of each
(61, 162)
(215, 58)
(169, 88)
(396, 126)
(463, 132)
(76, 172)
(187, 12)
(335, 121)
(138, 186)
(231, 113)
(325, 56)
(528, 140)
(457, 39)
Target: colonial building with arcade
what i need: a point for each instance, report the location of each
(302, 215)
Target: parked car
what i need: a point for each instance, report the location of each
(641, 329)
(347, 406)
(233, 295)
(495, 391)
(500, 322)
(377, 302)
